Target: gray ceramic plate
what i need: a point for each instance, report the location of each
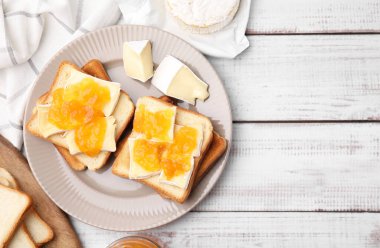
(101, 198)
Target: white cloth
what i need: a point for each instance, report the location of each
(32, 31)
(227, 43)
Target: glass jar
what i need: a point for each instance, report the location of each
(134, 242)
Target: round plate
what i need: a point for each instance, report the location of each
(101, 198)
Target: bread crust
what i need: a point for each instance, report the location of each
(50, 235)
(217, 148)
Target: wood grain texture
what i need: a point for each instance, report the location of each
(277, 230)
(314, 16)
(300, 167)
(13, 161)
(333, 77)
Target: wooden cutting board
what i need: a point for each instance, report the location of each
(12, 160)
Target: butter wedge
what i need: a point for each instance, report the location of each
(45, 126)
(109, 143)
(175, 79)
(137, 58)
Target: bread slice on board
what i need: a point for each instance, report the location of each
(13, 206)
(38, 229)
(21, 239)
(183, 117)
(123, 113)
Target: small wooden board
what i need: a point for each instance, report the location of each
(12, 160)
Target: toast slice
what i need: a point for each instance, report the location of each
(38, 229)
(13, 206)
(21, 238)
(123, 113)
(215, 151)
(183, 117)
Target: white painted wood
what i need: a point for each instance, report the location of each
(300, 167)
(314, 16)
(330, 77)
(277, 230)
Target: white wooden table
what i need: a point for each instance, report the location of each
(304, 169)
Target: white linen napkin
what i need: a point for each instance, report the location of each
(227, 43)
(32, 31)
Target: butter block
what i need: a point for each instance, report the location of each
(136, 171)
(45, 126)
(114, 88)
(181, 181)
(138, 61)
(175, 79)
(109, 143)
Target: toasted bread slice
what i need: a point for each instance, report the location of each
(21, 239)
(183, 117)
(13, 206)
(123, 114)
(38, 229)
(216, 150)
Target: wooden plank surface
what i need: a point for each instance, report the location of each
(234, 229)
(314, 16)
(300, 167)
(306, 77)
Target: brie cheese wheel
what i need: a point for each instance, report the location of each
(181, 181)
(136, 171)
(45, 126)
(109, 142)
(200, 16)
(114, 88)
(137, 58)
(175, 79)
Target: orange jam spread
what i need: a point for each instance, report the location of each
(148, 154)
(178, 156)
(90, 136)
(79, 107)
(153, 124)
(174, 158)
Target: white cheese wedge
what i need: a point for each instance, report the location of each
(199, 128)
(175, 79)
(138, 61)
(45, 126)
(181, 181)
(136, 171)
(114, 88)
(109, 143)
